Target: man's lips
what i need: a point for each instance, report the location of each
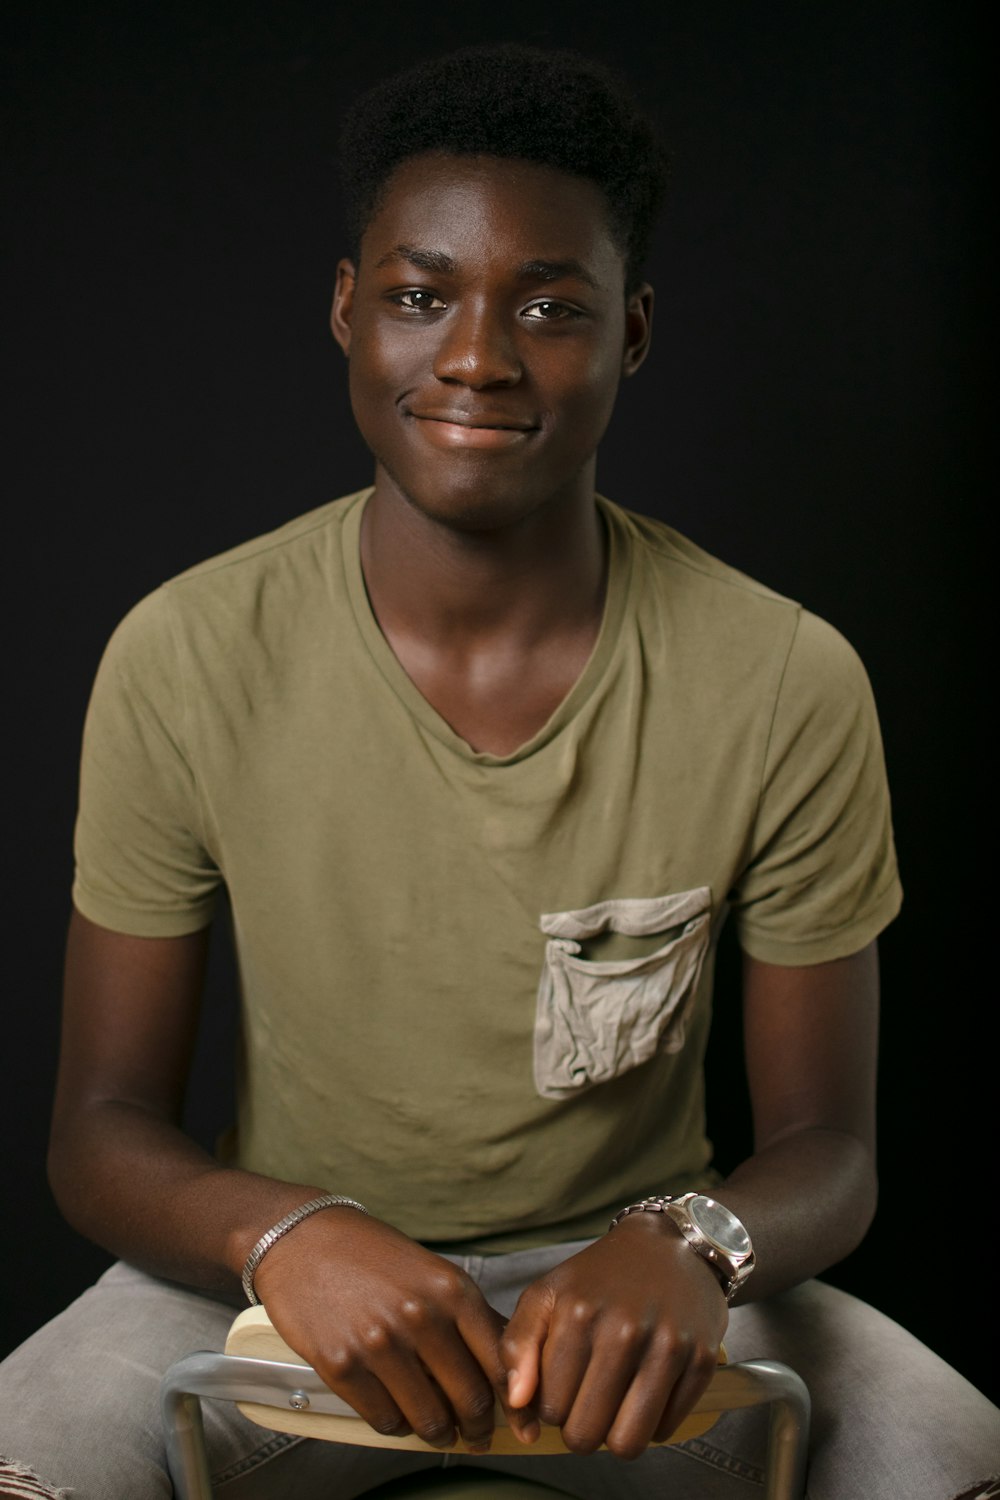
(448, 429)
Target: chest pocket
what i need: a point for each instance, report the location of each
(597, 1019)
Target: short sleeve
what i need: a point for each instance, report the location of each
(821, 881)
(142, 866)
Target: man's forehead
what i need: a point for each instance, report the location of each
(436, 212)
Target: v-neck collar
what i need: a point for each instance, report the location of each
(619, 579)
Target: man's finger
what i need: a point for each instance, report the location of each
(466, 1387)
(420, 1399)
(520, 1349)
(367, 1395)
(693, 1381)
(586, 1409)
(482, 1328)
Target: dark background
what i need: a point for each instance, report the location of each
(810, 414)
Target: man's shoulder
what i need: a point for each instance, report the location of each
(245, 593)
(701, 605)
(714, 611)
(287, 546)
(674, 557)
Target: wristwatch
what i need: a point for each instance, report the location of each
(712, 1230)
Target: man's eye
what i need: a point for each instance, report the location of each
(549, 312)
(416, 300)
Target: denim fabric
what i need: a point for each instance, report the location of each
(890, 1419)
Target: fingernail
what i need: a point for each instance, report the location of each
(529, 1432)
(483, 1446)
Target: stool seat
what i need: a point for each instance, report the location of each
(275, 1387)
(254, 1336)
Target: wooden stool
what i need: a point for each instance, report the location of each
(272, 1385)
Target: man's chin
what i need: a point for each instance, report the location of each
(482, 506)
(480, 511)
(478, 518)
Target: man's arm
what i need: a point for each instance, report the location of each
(617, 1343)
(808, 1193)
(405, 1337)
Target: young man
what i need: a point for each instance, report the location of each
(482, 762)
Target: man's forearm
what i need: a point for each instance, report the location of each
(807, 1194)
(137, 1185)
(807, 1201)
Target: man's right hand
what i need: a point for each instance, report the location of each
(399, 1333)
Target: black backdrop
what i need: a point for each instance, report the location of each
(809, 414)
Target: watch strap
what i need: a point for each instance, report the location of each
(731, 1270)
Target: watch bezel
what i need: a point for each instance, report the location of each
(737, 1252)
(732, 1267)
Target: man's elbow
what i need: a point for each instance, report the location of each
(63, 1169)
(73, 1167)
(864, 1198)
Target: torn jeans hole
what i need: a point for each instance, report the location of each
(21, 1481)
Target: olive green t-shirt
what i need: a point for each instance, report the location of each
(476, 989)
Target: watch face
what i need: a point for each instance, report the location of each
(720, 1225)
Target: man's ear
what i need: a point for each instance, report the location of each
(343, 304)
(638, 328)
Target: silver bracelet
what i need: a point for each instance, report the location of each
(263, 1245)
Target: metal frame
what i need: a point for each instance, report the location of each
(228, 1377)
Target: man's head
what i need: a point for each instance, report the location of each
(556, 109)
(501, 201)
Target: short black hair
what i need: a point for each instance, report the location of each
(555, 108)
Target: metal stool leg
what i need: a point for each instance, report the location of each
(224, 1377)
(765, 1380)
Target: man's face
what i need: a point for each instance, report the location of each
(487, 333)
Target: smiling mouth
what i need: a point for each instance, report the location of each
(461, 431)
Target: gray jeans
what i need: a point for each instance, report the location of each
(891, 1421)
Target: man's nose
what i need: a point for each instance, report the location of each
(477, 349)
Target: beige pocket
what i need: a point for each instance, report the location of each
(596, 1020)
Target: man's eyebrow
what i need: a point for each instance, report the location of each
(555, 270)
(529, 270)
(424, 260)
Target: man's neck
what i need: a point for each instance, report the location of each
(493, 628)
(462, 589)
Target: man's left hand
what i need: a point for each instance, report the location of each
(616, 1344)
